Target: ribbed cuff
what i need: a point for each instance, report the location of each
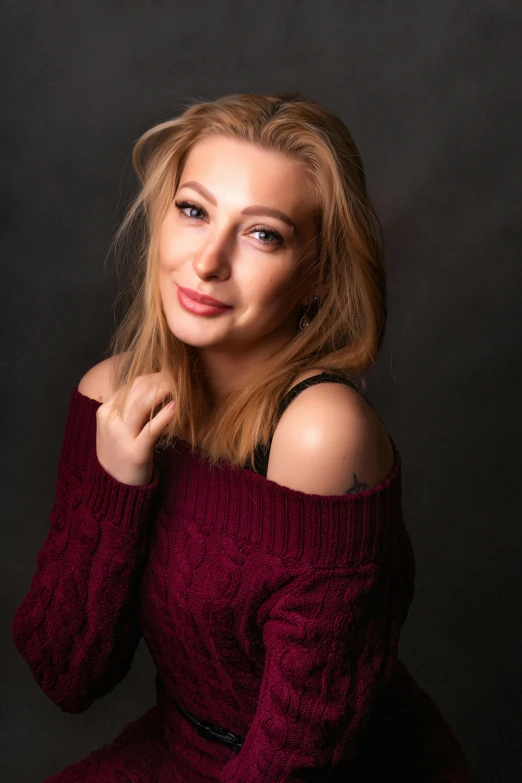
(122, 505)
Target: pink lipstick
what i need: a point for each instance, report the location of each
(203, 305)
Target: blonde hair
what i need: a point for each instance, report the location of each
(345, 335)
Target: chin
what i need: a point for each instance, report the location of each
(202, 337)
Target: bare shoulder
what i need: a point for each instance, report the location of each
(329, 441)
(97, 383)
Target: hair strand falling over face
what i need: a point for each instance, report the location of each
(342, 335)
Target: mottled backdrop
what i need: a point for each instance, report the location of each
(431, 92)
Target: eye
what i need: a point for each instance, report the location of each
(181, 205)
(276, 238)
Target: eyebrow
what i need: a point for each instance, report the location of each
(255, 209)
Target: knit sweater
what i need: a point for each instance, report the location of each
(268, 611)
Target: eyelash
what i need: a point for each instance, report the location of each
(181, 205)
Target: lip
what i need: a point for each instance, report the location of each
(208, 300)
(199, 308)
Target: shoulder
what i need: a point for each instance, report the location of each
(329, 441)
(97, 383)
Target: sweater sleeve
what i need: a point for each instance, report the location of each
(77, 626)
(329, 643)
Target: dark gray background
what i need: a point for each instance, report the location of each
(431, 92)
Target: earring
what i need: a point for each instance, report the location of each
(305, 320)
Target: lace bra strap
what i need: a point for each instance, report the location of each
(324, 377)
(262, 453)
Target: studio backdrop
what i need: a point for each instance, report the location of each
(431, 94)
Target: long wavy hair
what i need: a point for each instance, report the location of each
(345, 334)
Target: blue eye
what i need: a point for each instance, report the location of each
(181, 205)
(261, 230)
(277, 238)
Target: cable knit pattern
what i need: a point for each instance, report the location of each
(268, 611)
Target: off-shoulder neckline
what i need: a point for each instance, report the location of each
(318, 530)
(252, 476)
(256, 478)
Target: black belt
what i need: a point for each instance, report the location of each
(213, 733)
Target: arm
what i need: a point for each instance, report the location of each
(330, 644)
(77, 627)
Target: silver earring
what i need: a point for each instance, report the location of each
(305, 320)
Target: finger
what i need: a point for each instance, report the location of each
(153, 428)
(138, 411)
(141, 385)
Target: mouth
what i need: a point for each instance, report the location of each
(202, 298)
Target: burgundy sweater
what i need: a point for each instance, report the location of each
(268, 611)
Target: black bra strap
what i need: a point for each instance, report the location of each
(262, 453)
(324, 377)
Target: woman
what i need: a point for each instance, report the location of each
(250, 530)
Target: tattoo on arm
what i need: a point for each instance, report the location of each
(356, 486)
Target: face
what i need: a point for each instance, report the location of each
(240, 229)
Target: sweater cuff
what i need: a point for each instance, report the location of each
(124, 506)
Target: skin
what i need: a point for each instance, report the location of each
(329, 441)
(216, 250)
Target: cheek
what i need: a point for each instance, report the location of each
(272, 291)
(170, 254)
(163, 245)
(170, 241)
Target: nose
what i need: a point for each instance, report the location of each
(212, 261)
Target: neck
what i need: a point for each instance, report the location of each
(226, 371)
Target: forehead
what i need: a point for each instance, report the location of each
(239, 173)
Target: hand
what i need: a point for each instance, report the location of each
(125, 444)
